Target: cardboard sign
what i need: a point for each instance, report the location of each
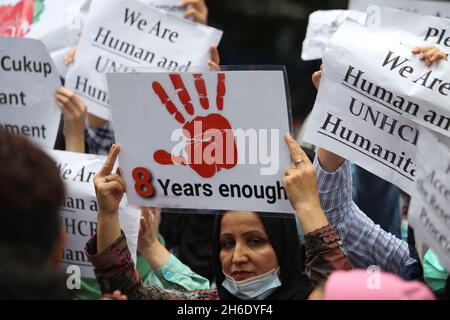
(123, 35)
(28, 80)
(429, 211)
(78, 215)
(203, 140)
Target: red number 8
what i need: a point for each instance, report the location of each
(143, 185)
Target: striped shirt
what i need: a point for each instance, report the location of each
(365, 243)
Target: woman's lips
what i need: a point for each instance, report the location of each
(241, 275)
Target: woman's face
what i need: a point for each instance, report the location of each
(245, 251)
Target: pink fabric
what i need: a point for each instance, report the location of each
(373, 285)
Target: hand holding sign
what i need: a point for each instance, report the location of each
(300, 182)
(429, 54)
(198, 10)
(210, 140)
(74, 110)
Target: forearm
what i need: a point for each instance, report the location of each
(75, 144)
(156, 255)
(329, 161)
(311, 217)
(108, 230)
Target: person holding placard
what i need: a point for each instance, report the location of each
(257, 258)
(365, 243)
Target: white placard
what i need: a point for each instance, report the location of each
(57, 23)
(322, 25)
(434, 8)
(78, 215)
(429, 211)
(170, 6)
(123, 35)
(233, 147)
(362, 106)
(28, 80)
(396, 24)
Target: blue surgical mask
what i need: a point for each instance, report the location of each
(256, 288)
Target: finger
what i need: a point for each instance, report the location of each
(113, 187)
(194, 14)
(201, 90)
(416, 50)
(162, 94)
(295, 150)
(214, 66)
(110, 161)
(64, 110)
(64, 91)
(121, 179)
(215, 57)
(61, 97)
(194, 3)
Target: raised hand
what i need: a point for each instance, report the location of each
(74, 111)
(148, 230)
(210, 140)
(300, 182)
(197, 10)
(109, 188)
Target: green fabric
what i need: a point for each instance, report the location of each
(434, 273)
(176, 275)
(39, 8)
(173, 275)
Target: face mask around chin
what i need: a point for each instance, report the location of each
(256, 288)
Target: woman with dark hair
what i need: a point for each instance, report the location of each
(283, 276)
(255, 256)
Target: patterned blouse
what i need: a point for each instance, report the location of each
(115, 270)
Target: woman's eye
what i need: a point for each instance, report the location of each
(226, 244)
(255, 241)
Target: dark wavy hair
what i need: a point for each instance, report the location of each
(31, 193)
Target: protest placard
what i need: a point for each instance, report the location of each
(56, 23)
(322, 25)
(370, 86)
(203, 140)
(396, 24)
(170, 6)
(78, 214)
(28, 80)
(122, 35)
(429, 212)
(434, 8)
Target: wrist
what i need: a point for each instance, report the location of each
(156, 255)
(107, 214)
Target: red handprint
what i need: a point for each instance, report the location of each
(211, 144)
(15, 21)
